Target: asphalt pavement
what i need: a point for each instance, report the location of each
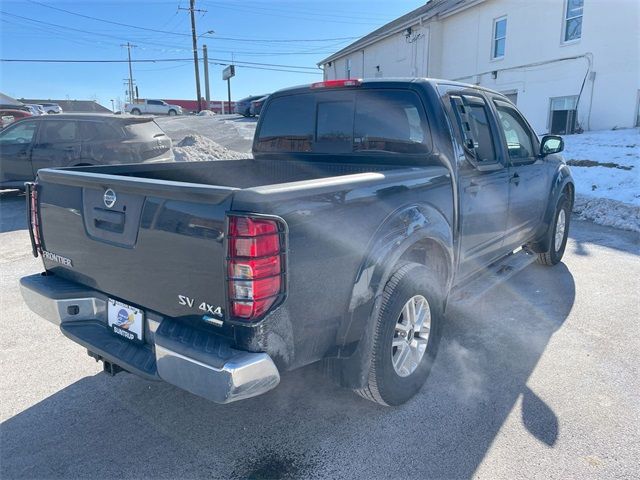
(538, 379)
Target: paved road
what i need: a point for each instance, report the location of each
(234, 132)
(539, 379)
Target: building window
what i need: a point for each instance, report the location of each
(573, 20)
(563, 115)
(499, 37)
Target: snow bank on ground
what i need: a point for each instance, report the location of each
(196, 148)
(608, 192)
(206, 113)
(605, 211)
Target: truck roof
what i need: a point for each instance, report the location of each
(369, 82)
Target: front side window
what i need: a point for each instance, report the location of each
(573, 20)
(520, 144)
(19, 133)
(499, 37)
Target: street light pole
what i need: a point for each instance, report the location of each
(206, 75)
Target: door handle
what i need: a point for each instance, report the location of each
(473, 188)
(515, 179)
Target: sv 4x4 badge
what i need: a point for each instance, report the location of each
(214, 314)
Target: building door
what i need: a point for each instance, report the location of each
(563, 115)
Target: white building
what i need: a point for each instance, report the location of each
(567, 64)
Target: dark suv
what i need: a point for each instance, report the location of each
(243, 106)
(68, 140)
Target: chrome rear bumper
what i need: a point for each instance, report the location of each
(206, 365)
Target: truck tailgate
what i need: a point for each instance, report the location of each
(155, 244)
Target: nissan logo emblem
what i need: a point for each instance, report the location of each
(109, 198)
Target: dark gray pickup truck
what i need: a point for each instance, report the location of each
(368, 207)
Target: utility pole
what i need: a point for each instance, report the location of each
(206, 75)
(192, 9)
(129, 47)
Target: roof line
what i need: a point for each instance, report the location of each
(425, 12)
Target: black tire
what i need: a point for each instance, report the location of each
(172, 113)
(554, 253)
(135, 111)
(385, 385)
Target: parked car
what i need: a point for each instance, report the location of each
(368, 209)
(33, 110)
(152, 107)
(13, 106)
(243, 106)
(36, 109)
(51, 108)
(77, 139)
(256, 106)
(8, 116)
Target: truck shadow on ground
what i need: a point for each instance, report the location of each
(307, 427)
(13, 211)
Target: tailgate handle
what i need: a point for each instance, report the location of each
(108, 220)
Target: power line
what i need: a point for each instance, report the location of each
(137, 27)
(213, 61)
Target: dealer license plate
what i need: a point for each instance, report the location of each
(125, 320)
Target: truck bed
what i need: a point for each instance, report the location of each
(236, 174)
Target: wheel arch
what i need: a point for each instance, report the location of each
(561, 183)
(416, 233)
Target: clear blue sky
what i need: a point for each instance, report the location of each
(242, 29)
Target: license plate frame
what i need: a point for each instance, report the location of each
(125, 321)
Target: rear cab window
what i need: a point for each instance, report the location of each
(357, 121)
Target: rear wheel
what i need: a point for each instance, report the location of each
(135, 111)
(559, 232)
(406, 338)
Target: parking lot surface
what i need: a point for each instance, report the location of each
(538, 379)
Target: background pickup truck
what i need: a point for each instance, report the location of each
(152, 107)
(369, 207)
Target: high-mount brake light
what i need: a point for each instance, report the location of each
(337, 83)
(255, 266)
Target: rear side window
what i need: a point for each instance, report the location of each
(473, 119)
(147, 130)
(97, 131)
(59, 131)
(338, 121)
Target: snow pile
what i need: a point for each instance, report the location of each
(206, 113)
(196, 148)
(606, 168)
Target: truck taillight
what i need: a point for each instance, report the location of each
(33, 218)
(255, 265)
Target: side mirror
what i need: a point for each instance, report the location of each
(551, 144)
